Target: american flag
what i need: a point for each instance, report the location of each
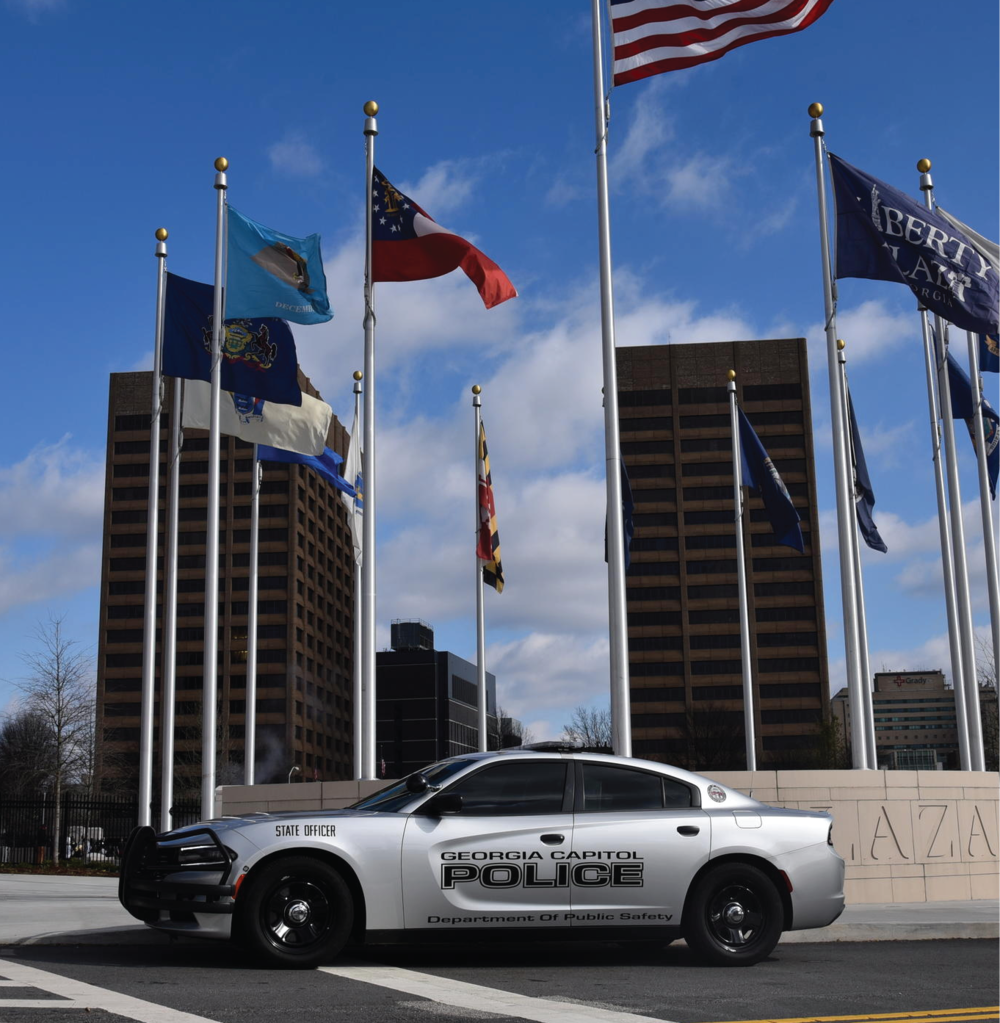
(488, 544)
(653, 36)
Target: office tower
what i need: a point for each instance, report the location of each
(683, 611)
(305, 606)
(426, 702)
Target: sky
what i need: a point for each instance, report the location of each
(117, 110)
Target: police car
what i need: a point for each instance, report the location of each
(521, 844)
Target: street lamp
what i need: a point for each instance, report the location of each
(295, 770)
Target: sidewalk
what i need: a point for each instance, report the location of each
(54, 910)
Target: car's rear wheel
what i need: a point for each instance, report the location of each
(734, 916)
(297, 913)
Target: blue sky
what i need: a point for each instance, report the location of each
(116, 111)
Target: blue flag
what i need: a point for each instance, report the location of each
(758, 473)
(884, 235)
(864, 496)
(962, 408)
(258, 356)
(989, 354)
(274, 274)
(325, 465)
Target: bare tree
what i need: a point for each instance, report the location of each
(504, 732)
(25, 753)
(591, 726)
(59, 689)
(986, 669)
(714, 739)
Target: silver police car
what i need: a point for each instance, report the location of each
(521, 844)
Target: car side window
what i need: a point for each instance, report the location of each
(513, 789)
(609, 789)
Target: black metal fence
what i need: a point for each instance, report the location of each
(92, 832)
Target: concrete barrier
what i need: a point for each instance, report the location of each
(907, 836)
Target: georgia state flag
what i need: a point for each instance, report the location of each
(408, 245)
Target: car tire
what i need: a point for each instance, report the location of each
(734, 916)
(297, 914)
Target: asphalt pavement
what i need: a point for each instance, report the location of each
(37, 909)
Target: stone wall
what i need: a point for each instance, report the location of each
(907, 836)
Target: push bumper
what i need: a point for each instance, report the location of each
(173, 878)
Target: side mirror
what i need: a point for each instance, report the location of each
(446, 803)
(417, 783)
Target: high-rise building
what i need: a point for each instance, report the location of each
(305, 605)
(683, 611)
(426, 703)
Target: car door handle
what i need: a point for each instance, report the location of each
(553, 839)
(688, 829)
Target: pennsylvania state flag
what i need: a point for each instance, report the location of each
(274, 274)
(258, 356)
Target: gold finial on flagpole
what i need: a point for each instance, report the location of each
(358, 374)
(221, 164)
(371, 108)
(731, 375)
(162, 234)
(841, 344)
(923, 165)
(476, 389)
(815, 110)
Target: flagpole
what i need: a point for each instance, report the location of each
(250, 716)
(944, 534)
(210, 669)
(962, 595)
(741, 575)
(368, 461)
(168, 697)
(152, 545)
(985, 505)
(480, 606)
(866, 671)
(358, 701)
(621, 724)
(845, 506)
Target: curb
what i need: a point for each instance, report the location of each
(911, 931)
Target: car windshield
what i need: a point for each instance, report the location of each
(397, 795)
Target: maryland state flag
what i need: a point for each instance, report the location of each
(488, 544)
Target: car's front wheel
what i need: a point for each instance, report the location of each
(297, 913)
(734, 916)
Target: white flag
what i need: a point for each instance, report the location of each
(352, 473)
(300, 429)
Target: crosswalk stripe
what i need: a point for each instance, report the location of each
(75, 994)
(485, 999)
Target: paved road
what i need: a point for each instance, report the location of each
(897, 982)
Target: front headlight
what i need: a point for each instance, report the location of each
(204, 853)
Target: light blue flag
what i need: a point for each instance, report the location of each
(325, 465)
(274, 274)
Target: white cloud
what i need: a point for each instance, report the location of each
(62, 571)
(544, 674)
(869, 330)
(444, 187)
(295, 156)
(34, 9)
(56, 489)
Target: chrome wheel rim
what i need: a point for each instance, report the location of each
(736, 917)
(296, 915)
